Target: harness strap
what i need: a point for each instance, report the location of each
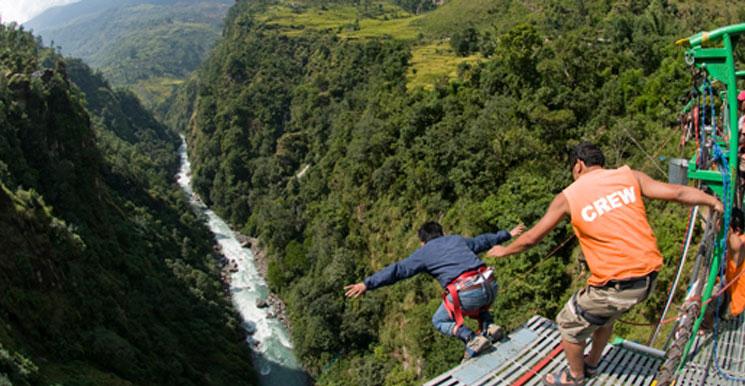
(454, 307)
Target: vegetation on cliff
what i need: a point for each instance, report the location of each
(107, 276)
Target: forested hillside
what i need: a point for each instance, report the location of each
(107, 277)
(149, 45)
(311, 127)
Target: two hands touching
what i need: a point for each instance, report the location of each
(358, 289)
(501, 251)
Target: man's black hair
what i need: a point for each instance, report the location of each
(430, 231)
(587, 152)
(737, 222)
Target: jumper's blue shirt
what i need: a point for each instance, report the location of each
(445, 258)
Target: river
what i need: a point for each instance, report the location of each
(274, 360)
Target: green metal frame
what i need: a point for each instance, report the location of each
(713, 52)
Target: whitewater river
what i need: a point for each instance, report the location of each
(275, 360)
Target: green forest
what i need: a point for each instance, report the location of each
(333, 129)
(108, 277)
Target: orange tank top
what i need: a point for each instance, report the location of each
(737, 290)
(610, 221)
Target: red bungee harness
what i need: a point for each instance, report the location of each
(460, 283)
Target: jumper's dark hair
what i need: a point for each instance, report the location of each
(588, 153)
(430, 231)
(737, 222)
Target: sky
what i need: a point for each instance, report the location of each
(21, 11)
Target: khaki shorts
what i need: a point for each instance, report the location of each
(609, 303)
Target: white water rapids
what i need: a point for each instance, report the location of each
(275, 360)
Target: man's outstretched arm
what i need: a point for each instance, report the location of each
(554, 214)
(392, 273)
(657, 190)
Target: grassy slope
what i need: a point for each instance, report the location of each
(483, 14)
(433, 60)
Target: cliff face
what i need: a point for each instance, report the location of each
(106, 275)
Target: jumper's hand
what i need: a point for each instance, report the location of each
(355, 290)
(497, 251)
(518, 230)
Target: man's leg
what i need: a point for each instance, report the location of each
(574, 331)
(475, 344)
(445, 324)
(485, 317)
(471, 301)
(489, 329)
(575, 351)
(575, 357)
(599, 339)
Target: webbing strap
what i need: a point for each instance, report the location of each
(454, 308)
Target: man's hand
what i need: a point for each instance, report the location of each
(718, 207)
(556, 211)
(498, 250)
(518, 230)
(355, 290)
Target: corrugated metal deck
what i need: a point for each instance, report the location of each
(700, 369)
(536, 341)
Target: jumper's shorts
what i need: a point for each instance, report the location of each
(595, 307)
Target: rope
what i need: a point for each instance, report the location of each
(674, 284)
(721, 291)
(713, 118)
(559, 246)
(719, 156)
(681, 262)
(695, 113)
(644, 324)
(702, 116)
(717, 295)
(553, 251)
(649, 157)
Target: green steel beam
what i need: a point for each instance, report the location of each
(713, 36)
(719, 64)
(710, 53)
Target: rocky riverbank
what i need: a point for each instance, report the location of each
(228, 267)
(243, 284)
